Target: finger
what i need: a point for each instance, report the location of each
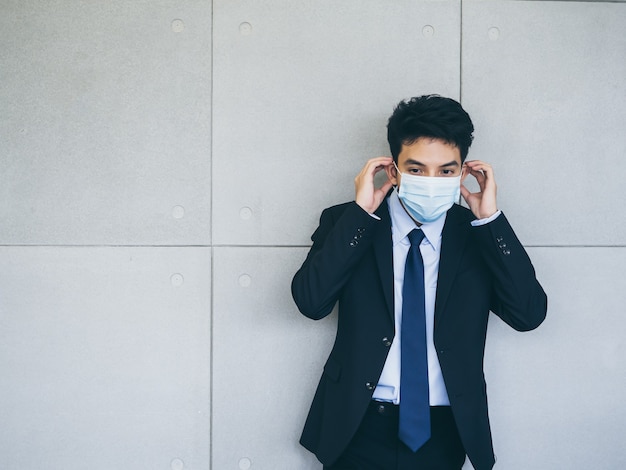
(472, 163)
(375, 165)
(486, 181)
(477, 165)
(479, 175)
(381, 163)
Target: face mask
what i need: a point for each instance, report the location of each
(426, 198)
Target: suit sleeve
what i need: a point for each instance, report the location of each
(518, 298)
(343, 236)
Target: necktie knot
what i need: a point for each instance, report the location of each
(416, 236)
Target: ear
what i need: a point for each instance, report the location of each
(392, 174)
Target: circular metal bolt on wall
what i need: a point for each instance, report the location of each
(245, 28)
(245, 280)
(245, 213)
(177, 280)
(177, 464)
(178, 26)
(178, 212)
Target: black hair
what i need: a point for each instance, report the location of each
(430, 116)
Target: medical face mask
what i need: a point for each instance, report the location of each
(426, 198)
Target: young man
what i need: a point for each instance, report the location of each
(415, 276)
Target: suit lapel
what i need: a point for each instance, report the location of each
(453, 240)
(383, 251)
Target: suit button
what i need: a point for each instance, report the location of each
(499, 239)
(360, 230)
(501, 246)
(354, 243)
(506, 252)
(386, 341)
(370, 386)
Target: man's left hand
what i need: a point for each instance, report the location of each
(482, 203)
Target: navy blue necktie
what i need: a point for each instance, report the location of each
(414, 429)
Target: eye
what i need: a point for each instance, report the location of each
(447, 172)
(415, 171)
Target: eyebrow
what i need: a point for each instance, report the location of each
(453, 163)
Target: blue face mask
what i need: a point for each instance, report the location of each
(426, 198)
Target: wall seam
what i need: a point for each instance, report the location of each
(212, 250)
(460, 51)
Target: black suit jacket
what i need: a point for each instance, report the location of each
(481, 269)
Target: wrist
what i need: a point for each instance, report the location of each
(484, 211)
(367, 208)
(485, 221)
(486, 214)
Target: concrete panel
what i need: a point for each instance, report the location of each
(105, 123)
(104, 358)
(302, 94)
(544, 82)
(267, 359)
(556, 394)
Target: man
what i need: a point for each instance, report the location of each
(415, 276)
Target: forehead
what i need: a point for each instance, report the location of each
(429, 152)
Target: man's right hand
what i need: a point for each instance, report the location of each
(368, 197)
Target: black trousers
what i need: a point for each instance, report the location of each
(376, 446)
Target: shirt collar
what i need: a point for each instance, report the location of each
(402, 224)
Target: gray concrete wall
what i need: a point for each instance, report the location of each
(163, 164)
